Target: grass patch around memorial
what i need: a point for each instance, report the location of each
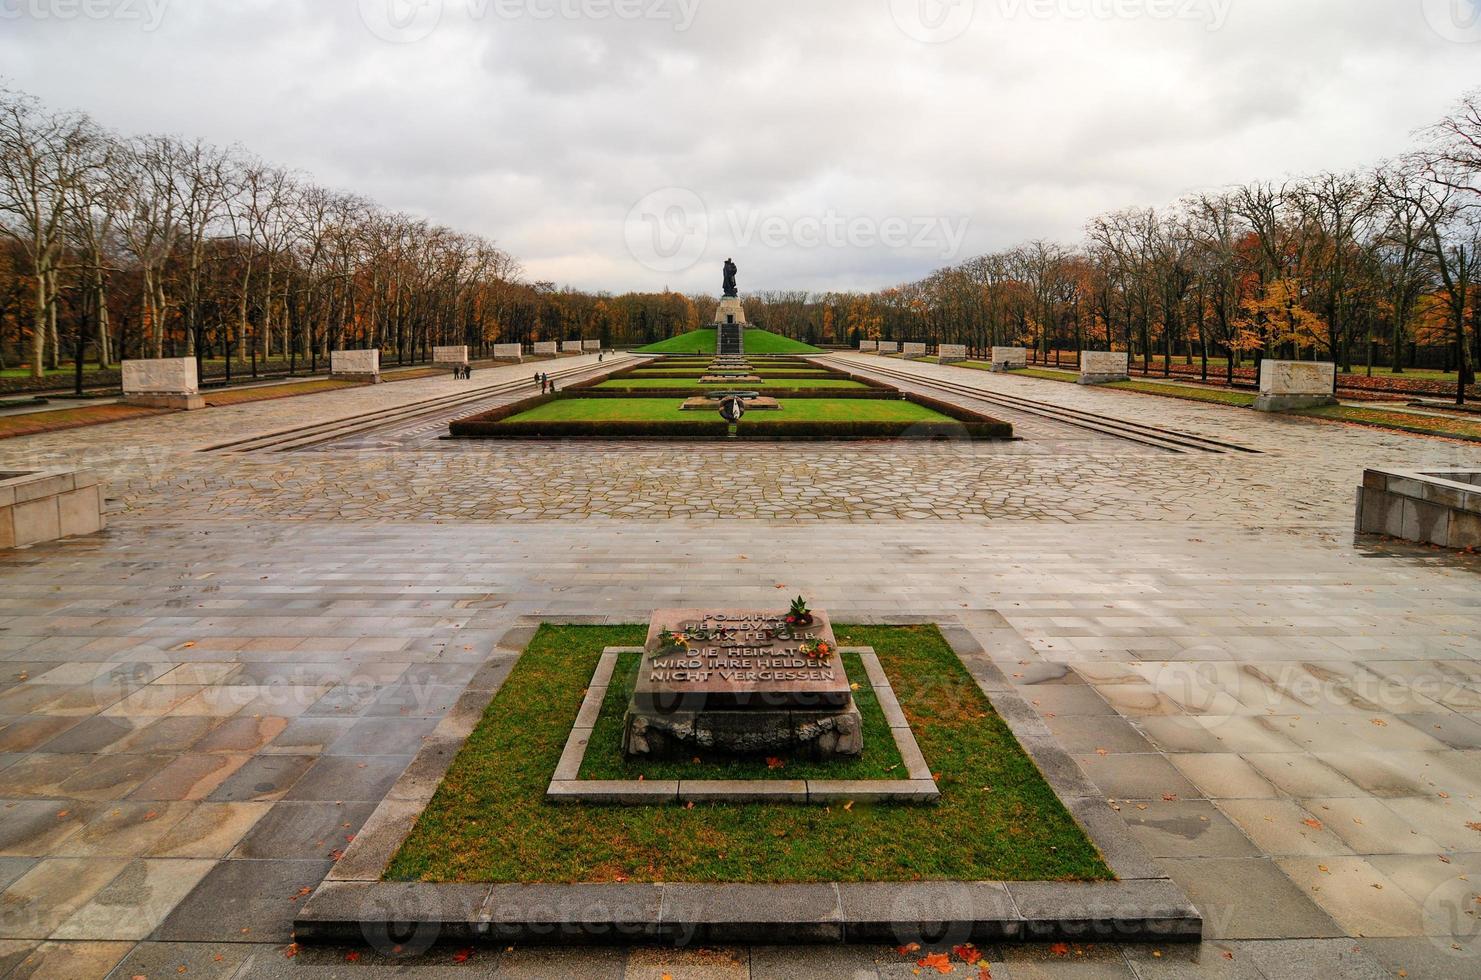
(821, 381)
(604, 759)
(668, 410)
(703, 342)
(997, 819)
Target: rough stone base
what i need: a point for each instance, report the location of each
(367, 379)
(1290, 403)
(1000, 368)
(820, 734)
(1101, 379)
(182, 402)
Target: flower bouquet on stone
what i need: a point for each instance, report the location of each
(671, 642)
(799, 614)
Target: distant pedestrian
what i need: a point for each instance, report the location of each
(537, 381)
(467, 372)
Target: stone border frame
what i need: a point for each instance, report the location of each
(567, 787)
(353, 905)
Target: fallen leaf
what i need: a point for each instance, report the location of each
(908, 949)
(1060, 949)
(967, 953)
(463, 955)
(772, 762)
(352, 957)
(939, 962)
(1313, 823)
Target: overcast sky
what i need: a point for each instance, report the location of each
(634, 144)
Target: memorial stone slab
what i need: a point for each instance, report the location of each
(508, 352)
(547, 347)
(741, 681)
(1009, 358)
(949, 353)
(1098, 367)
(889, 347)
(1287, 385)
(868, 345)
(570, 347)
(913, 350)
(450, 355)
(360, 365)
(591, 345)
(168, 382)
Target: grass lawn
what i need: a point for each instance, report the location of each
(703, 342)
(604, 759)
(612, 410)
(1219, 396)
(667, 410)
(997, 818)
(35, 423)
(822, 381)
(1404, 421)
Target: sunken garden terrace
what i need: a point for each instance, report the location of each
(746, 397)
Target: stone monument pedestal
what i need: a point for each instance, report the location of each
(744, 683)
(1286, 386)
(168, 382)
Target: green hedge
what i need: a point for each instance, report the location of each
(748, 429)
(479, 429)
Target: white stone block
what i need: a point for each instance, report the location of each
(1297, 377)
(591, 345)
(947, 353)
(547, 347)
(508, 352)
(1009, 358)
(36, 521)
(913, 350)
(1286, 385)
(450, 355)
(355, 364)
(868, 345)
(162, 376)
(1102, 366)
(889, 347)
(570, 347)
(80, 512)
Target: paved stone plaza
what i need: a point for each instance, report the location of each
(201, 705)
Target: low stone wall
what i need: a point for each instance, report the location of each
(1098, 367)
(450, 355)
(46, 505)
(508, 352)
(868, 345)
(591, 346)
(913, 350)
(547, 347)
(357, 365)
(1009, 358)
(167, 382)
(570, 347)
(947, 353)
(1441, 507)
(889, 347)
(1288, 385)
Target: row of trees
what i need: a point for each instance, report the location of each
(155, 246)
(1368, 268)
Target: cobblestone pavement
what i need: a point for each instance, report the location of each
(1308, 469)
(199, 705)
